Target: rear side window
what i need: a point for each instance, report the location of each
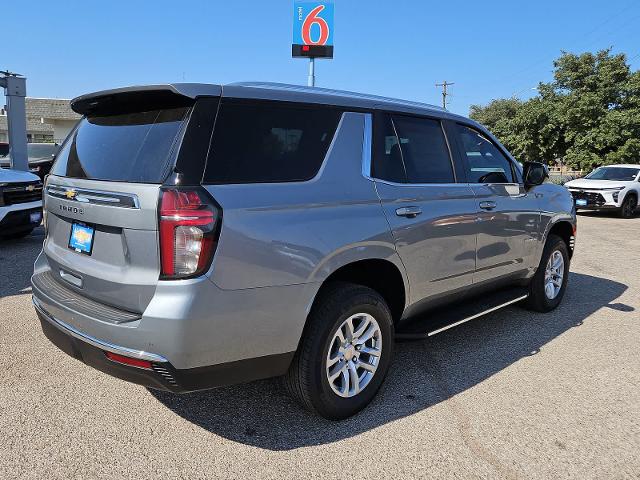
(387, 163)
(424, 150)
(486, 164)
(266, 142)
(131, 147)
(412, 150)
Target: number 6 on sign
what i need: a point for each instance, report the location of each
(314, 19)
(312, 29)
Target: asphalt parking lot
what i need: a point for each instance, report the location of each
(512, 395)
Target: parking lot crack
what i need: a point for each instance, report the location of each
(462, 418)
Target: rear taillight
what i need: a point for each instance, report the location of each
(188, 232)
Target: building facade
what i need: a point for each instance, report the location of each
(48, 120)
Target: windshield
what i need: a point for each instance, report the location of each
(38, 150)
(614, 173)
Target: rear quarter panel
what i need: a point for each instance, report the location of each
(292, 233)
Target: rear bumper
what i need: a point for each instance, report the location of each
(192, 323)
(162, 375)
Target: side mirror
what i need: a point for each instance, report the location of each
(534, 173)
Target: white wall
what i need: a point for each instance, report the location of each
(61, 128)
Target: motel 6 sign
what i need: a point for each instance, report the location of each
(312, 29)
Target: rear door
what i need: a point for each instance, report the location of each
(508, 215)
(432, 217)
(102, 195)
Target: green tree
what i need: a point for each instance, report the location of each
(589, 115)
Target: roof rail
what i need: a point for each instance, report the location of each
(329, 91)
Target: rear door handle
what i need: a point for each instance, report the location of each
(409, 212)
(487, 205)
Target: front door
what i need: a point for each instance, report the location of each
(508, 215)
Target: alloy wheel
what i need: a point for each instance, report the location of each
(354, 355)
(554, 275)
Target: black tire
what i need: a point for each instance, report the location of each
(629, 206)
(17, 235)
(307, 380)
(538, 300)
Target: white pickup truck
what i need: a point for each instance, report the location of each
(20, 203)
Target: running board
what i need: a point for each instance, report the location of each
(449, 316)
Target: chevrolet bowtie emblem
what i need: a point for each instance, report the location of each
(70, 194)
(30, 188)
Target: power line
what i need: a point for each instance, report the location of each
(444, 86)
(625, 22)
(633, 58)
(589, 45)
(604, 22)
(580, 37)
(632, 21)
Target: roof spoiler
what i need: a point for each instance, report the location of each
(143, 97)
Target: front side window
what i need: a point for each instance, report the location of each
(486, 163)
(412, 150)
(262, 142)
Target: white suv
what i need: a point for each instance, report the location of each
(614, 187)
(20, 203)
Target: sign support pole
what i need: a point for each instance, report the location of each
(15, 90)
(311, 80)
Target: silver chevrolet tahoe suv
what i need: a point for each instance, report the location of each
(204, 235)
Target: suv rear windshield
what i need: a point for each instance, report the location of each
(130, 147)
(262, 142)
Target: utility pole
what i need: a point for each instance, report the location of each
(15, 91)
(444, 86)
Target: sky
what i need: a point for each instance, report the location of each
(400, 48)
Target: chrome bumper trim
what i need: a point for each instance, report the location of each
(109, 347)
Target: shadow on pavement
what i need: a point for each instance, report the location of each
(16, 258)
(422, 374)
